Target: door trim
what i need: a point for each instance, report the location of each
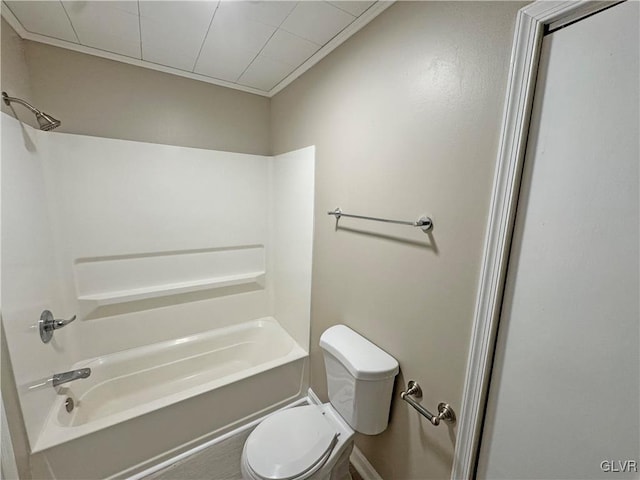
(532, 22)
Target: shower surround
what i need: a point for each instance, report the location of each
(190, 273)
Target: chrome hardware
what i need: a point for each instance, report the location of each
(423, 222)
(445, 412)
(45, 122)
(48, 324)
(60, 378)
(69, 405)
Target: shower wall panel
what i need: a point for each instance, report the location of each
(144, 243)
(29, 278)
(292, 177)
(151, 236)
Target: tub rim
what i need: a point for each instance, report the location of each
(54, 433)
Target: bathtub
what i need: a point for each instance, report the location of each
(146, 402)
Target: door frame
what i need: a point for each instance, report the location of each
(532, 23)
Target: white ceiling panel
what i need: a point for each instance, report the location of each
(169, 48)
(318, 22)
(233, 41)
(355, 8)
(218, 61)
(127, 6)
(289, 48)
(172, 33)
(269, 12)
(45, 18)
(110, 26)
(251, 45)
(183, 15)
(265, 73)
(232, 26)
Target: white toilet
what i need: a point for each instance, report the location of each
(315, 441)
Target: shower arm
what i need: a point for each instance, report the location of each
(45, 121)
(7, 100)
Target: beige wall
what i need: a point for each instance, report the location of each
(104, 98)
(405, 117)
(15, 75)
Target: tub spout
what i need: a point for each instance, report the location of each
(60, 378)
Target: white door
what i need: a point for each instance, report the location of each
(564, 393)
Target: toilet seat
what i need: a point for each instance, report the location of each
(290, 444)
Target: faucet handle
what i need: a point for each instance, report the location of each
(48, 324)
(61, 323)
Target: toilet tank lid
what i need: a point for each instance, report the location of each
(363, 359)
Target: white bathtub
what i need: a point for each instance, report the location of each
(149, 394)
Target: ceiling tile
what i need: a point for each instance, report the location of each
(265, 73)
(127, 6)
(182, 15)
(233, 41)
(172, 33)
(169, 48)
(110, 26)
(289, 48)
(268, 12)
(224, 63)
(233, 27)
(45, 18)
(317, 21)
(356, 8)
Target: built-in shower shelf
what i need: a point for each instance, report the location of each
(145, 293)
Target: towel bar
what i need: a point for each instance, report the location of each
(423, 222)
(445, 412)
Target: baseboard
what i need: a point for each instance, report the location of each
(362, 465)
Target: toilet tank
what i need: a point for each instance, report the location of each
(360, 379)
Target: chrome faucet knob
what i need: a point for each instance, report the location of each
(48, 324)
(61, 323)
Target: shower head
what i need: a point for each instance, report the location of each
(46, 122)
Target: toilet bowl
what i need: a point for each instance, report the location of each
(314, 441)
(300, 443)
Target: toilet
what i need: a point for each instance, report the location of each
(315, 441)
